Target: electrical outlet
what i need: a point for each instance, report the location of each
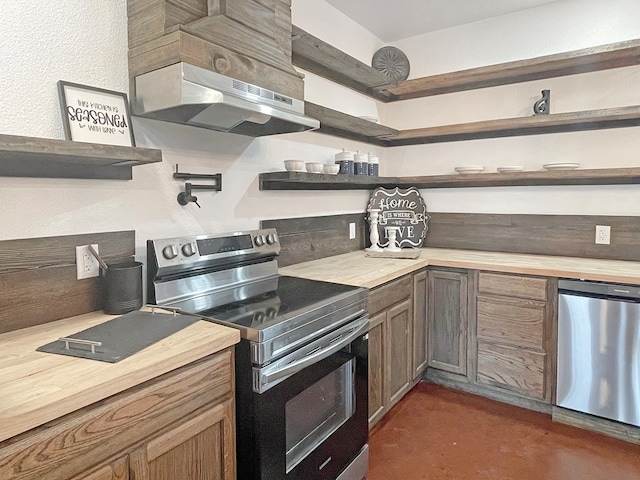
(86, 264)
(603, 234)
(352, 231)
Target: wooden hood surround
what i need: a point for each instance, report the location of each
(249, 40)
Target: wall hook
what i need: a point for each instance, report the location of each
(543, 106)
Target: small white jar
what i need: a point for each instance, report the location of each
(374, 165)
(345, 160)
(361, 163)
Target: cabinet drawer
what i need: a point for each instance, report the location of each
(384, 296)
(84, 439)
(511, 321)
(512, 285)
(511, 368)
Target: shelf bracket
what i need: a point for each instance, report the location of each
(186, 197)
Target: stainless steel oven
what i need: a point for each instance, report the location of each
(302, 362)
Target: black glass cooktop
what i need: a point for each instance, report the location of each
(286, 299)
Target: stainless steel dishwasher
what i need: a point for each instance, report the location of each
(599, 349)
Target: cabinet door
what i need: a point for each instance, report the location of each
(117, 470)
(377, 342)
(399, 372)
(419, 333)
(447, 314)
(200, 448)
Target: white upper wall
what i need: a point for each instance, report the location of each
(85, 42)
(557, 27)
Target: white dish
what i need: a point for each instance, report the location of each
(560, 166)
(294, 165)
(468, 169)
(314, 167)
(510, 168)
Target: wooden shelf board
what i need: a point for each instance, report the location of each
(51, 158)
(615, 55)
(340, 124)
(323, 59)
(317, 56)
(534, 125)
(311, 181)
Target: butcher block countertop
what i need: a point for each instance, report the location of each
(355, 268)
(37, 387)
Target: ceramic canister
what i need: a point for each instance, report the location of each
(345, 160)
(361, 164)
(374, 168)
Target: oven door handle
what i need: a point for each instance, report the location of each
(340, 338)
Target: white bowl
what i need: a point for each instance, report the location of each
(314, 167)
(331, 168)
(294, 165)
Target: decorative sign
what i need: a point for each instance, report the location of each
(95, 115)
(404, 209)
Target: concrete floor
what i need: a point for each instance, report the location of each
(436, 433)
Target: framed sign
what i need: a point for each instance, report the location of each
(404, 209)
(95, 115)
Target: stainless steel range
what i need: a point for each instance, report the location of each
(302, 363)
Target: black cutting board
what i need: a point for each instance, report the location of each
(123, 336)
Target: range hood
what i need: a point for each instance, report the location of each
(190, 95)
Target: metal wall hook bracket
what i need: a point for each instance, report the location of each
(543, 106)
(187, 197)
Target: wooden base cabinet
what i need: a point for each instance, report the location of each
(116, 470)
(178, 426)
(420, 325)
(447, 320)
(390, 344)
(193, 450)
(513, 334)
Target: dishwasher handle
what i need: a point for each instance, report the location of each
(599, 289)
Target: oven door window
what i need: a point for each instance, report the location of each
(315, 413)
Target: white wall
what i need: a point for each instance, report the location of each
(561, 26)
(85, 42)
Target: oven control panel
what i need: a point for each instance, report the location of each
(190, 251)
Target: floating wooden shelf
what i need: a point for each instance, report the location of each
(320, 58)
(604, 57)
(312, 181)
(342, 125)
(50, 158)
(533, 125)
(346, 126)
(323, 59)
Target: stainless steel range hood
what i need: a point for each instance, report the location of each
(190, 95)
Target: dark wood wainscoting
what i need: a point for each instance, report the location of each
(564, 235)
(38, 277)
(310, 238)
